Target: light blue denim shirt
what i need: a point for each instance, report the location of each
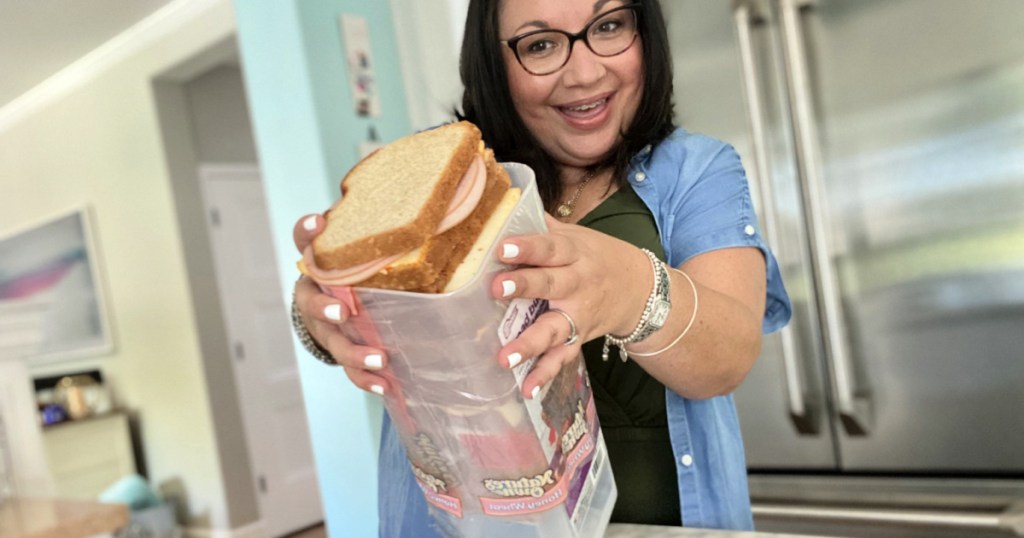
(697, 191)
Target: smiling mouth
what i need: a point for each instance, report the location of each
(587, 107)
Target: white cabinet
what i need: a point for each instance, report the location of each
(88, 456)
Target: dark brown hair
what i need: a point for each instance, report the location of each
(487, 101)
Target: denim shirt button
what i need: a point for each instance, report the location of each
(749, 230)
(640, 176)
(687, 460)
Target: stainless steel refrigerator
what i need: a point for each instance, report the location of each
(884, 142)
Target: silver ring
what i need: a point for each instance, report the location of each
(573, 335)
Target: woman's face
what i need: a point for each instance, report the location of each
(578, 112)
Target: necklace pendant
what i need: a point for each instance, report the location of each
(564, 210)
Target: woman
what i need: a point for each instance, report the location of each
(581, 91)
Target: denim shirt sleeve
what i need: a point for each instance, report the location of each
(697, 191)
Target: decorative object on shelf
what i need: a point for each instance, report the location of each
(52, 414)
(73, 392)
(72, 396)
(51, 294)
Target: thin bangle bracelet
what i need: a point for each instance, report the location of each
(688, 325)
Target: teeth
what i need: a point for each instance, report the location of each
(591, 106)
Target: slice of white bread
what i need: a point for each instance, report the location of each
(463, 273)
(393, 200)
(428, 268)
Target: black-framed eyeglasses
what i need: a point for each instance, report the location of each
(542, 52)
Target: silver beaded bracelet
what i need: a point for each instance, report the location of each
(656, 311)
(689, 324)
(307, 340)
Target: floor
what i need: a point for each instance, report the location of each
(313, 532)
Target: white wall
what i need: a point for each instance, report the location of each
(98, 142)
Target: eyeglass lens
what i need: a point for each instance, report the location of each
(546, 52)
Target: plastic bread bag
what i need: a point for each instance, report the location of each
(489, 462)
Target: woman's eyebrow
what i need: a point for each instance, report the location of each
(538, 24)
(542, 24)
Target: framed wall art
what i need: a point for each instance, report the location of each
(52, 305)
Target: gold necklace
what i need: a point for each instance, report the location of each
(565, 209)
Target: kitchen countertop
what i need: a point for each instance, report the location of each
(53, 518)
(620, 530)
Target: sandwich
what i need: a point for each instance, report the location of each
(412, 212)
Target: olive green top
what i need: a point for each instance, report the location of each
(630, 403)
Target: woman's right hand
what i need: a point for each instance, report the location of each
(324, 316)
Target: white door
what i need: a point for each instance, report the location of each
(264, 364)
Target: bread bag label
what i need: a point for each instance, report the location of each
(569, 479)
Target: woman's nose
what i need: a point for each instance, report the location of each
(584, 67)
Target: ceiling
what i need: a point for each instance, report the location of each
(40, 37)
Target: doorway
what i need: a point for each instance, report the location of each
(253, 385)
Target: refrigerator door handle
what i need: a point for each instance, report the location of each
(802, 413)
(854, 407)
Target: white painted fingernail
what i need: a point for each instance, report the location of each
(374, 361)
(377, 389)
(333, 312)
(514, 359)
(534, 392)
(509, 250)
(507, 288)
(310, 223)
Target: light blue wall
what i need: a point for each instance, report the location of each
(306, 132)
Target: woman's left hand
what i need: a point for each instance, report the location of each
(598, 280)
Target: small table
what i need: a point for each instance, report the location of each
(55, 518)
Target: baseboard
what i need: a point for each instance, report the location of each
(252, 530)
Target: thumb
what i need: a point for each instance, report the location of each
(305, 229)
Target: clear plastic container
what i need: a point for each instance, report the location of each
(490, 463)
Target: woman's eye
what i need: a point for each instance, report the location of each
(608, 26)
(540, 47)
